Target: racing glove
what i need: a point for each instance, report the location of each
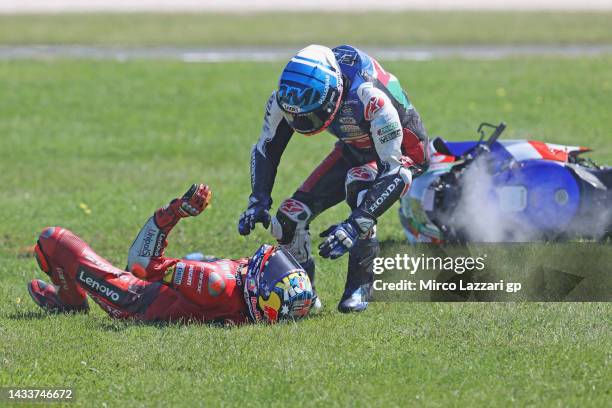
(191, 204)
(340, 238)
(257, 211)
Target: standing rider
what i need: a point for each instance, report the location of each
(381, 145)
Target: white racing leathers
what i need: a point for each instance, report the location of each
(381, 143)
(394, 175)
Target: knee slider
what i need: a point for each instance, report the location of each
(358, 181)
(291, 216)
(290, 228)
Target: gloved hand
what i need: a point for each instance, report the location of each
(340, 238)
(258, 211)
(191, 204)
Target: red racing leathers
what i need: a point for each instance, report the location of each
(156, 288)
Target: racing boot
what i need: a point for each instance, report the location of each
(56, 252)
(67, 259)
(46, 296)
(358, 287)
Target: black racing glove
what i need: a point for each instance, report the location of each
(257, 212)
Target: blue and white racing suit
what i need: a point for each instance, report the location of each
(381, 144)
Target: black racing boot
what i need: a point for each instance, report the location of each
(358, 287)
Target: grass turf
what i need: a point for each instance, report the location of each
(97, 146)
(361, 29)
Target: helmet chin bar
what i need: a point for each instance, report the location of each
(328, 122)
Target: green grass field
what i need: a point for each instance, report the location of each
(255, 29)
(123, 138)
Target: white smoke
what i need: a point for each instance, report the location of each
(481, 218)
(478, 213)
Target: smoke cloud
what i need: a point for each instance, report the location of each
(479, 217)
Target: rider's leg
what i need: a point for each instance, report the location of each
(66, 295)
(324, 188)
(357, 289)
(77, 270)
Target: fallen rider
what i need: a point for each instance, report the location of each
(269, 286)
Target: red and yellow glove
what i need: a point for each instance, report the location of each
(194, 201)
(191, 204)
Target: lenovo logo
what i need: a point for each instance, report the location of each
(97, 286)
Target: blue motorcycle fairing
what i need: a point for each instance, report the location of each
(553, 193)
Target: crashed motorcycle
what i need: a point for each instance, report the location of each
(492, 190)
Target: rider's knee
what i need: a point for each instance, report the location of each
(290, 228)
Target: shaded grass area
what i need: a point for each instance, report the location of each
(123, 138)
(299, 29)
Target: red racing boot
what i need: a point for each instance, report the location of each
(55, 253)
(46, 296)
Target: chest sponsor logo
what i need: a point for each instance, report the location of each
(351, 129)
(200, 280)
(178, 274)
(346, 110)
(190, 275)
(347, 120)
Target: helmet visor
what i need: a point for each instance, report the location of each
(310, 123)
(277, 266)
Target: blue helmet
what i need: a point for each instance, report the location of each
(276, 287)
(310, 89)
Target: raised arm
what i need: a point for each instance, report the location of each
(146, 255)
